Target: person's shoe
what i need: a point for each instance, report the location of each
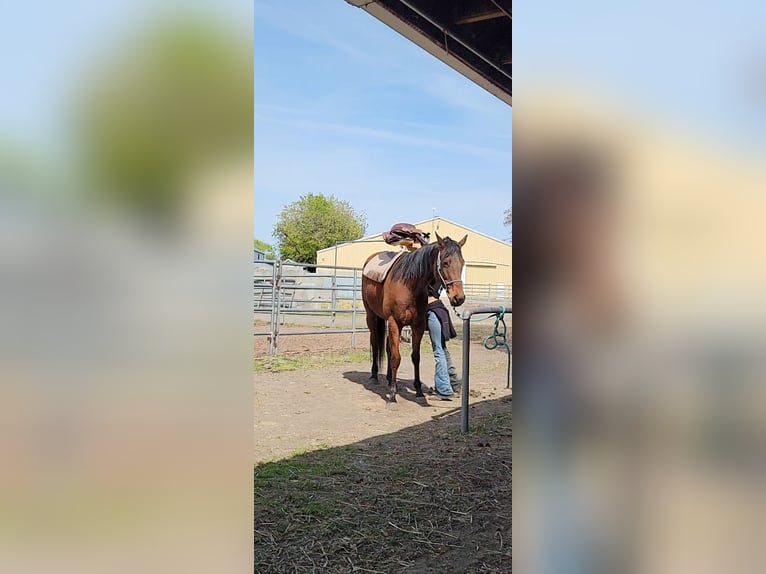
(443, 397)
(457, 387)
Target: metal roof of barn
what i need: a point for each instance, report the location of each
(471, 36)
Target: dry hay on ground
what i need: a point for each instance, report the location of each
(425, 499)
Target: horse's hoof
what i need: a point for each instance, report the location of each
(374, 378)
(419, 394)
(392, 405)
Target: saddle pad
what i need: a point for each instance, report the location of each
(377, 268)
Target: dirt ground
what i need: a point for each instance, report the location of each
(340, 405)
(346, 483)
(422, 500)
(292, 345)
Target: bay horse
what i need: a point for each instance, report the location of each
(402, 300)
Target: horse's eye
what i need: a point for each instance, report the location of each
(446, 264)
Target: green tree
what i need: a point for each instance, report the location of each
(177, 99)
(508, 222)
(316, 222)
(267, 248)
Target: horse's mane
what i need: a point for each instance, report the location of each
(417, 265)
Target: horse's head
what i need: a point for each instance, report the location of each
(449, 268)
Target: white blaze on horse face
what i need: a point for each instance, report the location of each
(454, 280)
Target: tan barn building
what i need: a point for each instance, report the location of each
(489, 261)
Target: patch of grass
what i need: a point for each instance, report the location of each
(301, 467)
(307, 504)
(497, 424)
(300, 487)
(282, 363)
(303, 362)
(401, 472)
(305, 449)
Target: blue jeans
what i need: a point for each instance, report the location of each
(450, 367)
(441, 378)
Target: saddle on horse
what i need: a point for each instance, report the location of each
(377, 267)
(406, 235)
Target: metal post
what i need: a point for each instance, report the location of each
(466, 370)
(333, 295)
(353, 314)
(272, 321)
(278, 299)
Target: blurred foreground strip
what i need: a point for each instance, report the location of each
(126, 300)
(640, 435)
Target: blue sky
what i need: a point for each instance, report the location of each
(346, 106)
(44, 50)
(691, 62)
(46, 47)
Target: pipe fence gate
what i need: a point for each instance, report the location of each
(318, 299)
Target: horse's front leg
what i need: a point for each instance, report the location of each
(394, 357)
(417, 337)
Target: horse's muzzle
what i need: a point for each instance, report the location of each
(457, 300)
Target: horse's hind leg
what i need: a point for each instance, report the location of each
(388, 362)
(417, 337)
(372, 325)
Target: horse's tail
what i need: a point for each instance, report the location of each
(380, 340)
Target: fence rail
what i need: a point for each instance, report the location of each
(488, 291)
(324, 299)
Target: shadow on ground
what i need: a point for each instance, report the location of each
(405, 388)
(425, 499)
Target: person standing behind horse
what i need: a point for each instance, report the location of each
(441, 330)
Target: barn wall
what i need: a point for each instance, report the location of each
(352, 254)
(488, 261)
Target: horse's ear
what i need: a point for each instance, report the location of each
(440, 240)
(462, 241)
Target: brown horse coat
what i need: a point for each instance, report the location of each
(402, 300)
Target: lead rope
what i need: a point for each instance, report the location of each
(497, 338)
